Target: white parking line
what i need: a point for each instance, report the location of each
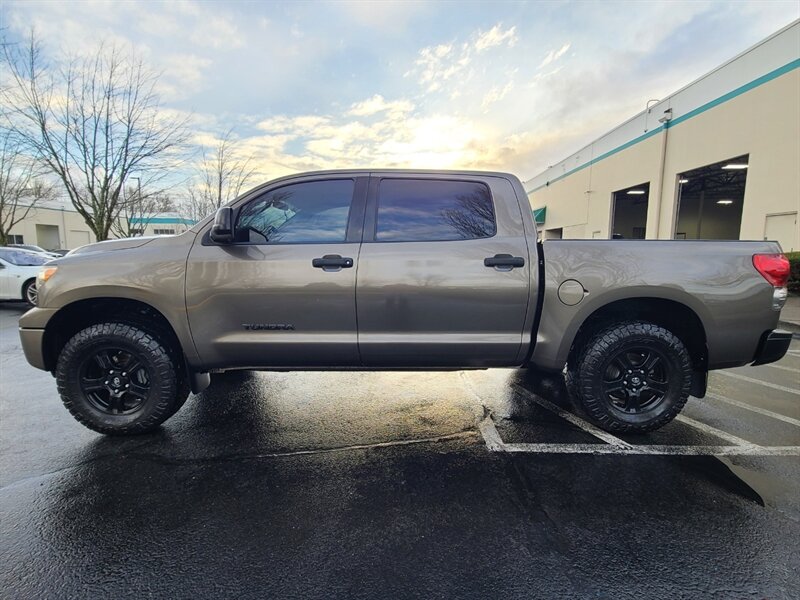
(654, 450)
(782, 368)
(755, 409)
(574, 419)
(614, 445)
(490, 435)
(723, 435)
(768, 384)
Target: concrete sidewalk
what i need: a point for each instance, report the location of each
(790, 315)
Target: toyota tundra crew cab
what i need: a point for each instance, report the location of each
(399, 270)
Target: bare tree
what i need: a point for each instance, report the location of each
(220, 178)
(474, 217)
(91, 123)
(138, 209)
(196, 206)
(20, 188)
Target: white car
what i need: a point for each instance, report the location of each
(37, 249)
(18, 271)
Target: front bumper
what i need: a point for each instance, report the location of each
(772, 347)
(32, 346)
(31, 334)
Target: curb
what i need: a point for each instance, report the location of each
(790, 326)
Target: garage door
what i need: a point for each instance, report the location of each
(47, 236)
(783, 228)
(77, 238)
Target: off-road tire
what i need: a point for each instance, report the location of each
(586, 376)
(167, 386)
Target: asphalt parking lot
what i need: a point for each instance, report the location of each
(482, 484)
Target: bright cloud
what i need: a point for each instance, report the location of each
(377, 104)
(495, 37)
(438, 65)
(554, 55)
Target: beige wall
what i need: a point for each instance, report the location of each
(72, 229)
(763, 122)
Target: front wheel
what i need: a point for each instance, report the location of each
(632, 377)
(29, 292)
(118, 379)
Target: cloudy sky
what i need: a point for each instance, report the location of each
(491, 85)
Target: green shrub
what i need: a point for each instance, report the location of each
(794, 276)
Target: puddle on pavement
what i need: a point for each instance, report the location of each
(762, 488)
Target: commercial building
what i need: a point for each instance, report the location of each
(52, 225)
(718, 159)
(56, 224)
(169, 223)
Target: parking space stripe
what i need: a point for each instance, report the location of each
(782, 368)
(723, 435)
(768, 384)
(755, 409)
(490, 435)
(572, 418)
(654, 450)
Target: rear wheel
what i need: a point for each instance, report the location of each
(118, 379)
(632, 377)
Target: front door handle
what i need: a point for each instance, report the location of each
(504, 262)
(332, 262)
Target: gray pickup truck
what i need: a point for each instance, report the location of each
(434, 270)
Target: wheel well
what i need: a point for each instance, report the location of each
(673, 316)
(81, 314)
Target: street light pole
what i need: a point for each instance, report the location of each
(138, 199)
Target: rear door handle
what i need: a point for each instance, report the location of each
(504, 262)
(332, 262)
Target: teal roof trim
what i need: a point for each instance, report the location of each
(161, 221)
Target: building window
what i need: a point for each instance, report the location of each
(433, 210)
(710, 201)
(15, 239)
(164, 231)
(629, 219)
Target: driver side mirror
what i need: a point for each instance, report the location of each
(222, 229)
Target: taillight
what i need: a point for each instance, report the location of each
(773, 267)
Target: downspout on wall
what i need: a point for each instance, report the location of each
(659, 187)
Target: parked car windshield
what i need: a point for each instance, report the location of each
(23, 258)
(30, 247)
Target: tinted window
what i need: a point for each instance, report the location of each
(429, 210)
(22, 258)
(315, 211)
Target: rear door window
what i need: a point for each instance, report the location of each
(412, 210)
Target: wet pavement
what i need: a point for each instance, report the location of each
(387, 485)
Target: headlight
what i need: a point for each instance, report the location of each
(45, 274)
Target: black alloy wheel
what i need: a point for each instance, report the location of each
(635, 379)
(114, 380)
